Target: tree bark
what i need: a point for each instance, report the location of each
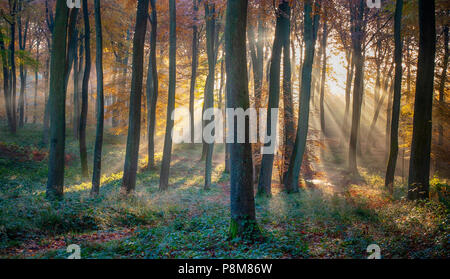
(97, 166)
(152, 88)
(358, 88)
(209, 87)
(193, 71)
(442, 96)
(6, 88)
(167, 151)
(243, 217)
(310, 34)
(419, 166)
(392, 162)
(134, 126)
(265, 176)
(324, 71)
(84, 92)
(55, 182)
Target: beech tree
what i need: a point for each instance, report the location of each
(55, 182)
(167, 152)
(134, 122)
(243, 216)
(419, 164)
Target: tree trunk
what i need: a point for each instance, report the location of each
(152, 88)
(442, 97)
(22, 36)
(243, 220)
(310, 34)
(358, 88)
(46, 120)
(6, 87)
(288, 106)
(12, 64)
(419, 166)
(36, 84)
(265, 176)
(167, 151)
(324, 71)
(193, 72)
(209, 87)
(348, 89)
(76, 80)
(84, 92)
(392, 162)
(134, 126)
(97, 166)
(55, 182)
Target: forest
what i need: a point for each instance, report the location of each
(224, 129)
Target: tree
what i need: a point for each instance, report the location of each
(392, 162)
(12, 63)
(6, 88)
(36, 82)
(243, 216)
(324, 71)
(152, 88)
(357, 16)
(100, 102)
(209, 86)
(310, 34)
(167, 151)
(442, 91)
(419, 165)
(282, 23)
(84, 91)
(55, 182)
(134, 126)
(288, 106)
(194, 70)
(22, 36)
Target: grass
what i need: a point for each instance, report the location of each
(188, 222)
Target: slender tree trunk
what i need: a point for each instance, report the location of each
(152, 88)
(55, 182)
(100, 102)
(209, 87)
(392, 162)
(12, 64)
(419, 166)
(134, 126)
(388, 120)
(288, 105)
(243, 216)
(6, 87)
(442, 96)
(167, 151)
(324, 71)
(84, 92)
(310, 34)
(193, 71)
(265, 176)
(76, 97)
(348, 89)
(46, 130)
(22, 36)
(358, 88)
(36, 84)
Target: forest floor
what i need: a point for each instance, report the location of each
(332, 216)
